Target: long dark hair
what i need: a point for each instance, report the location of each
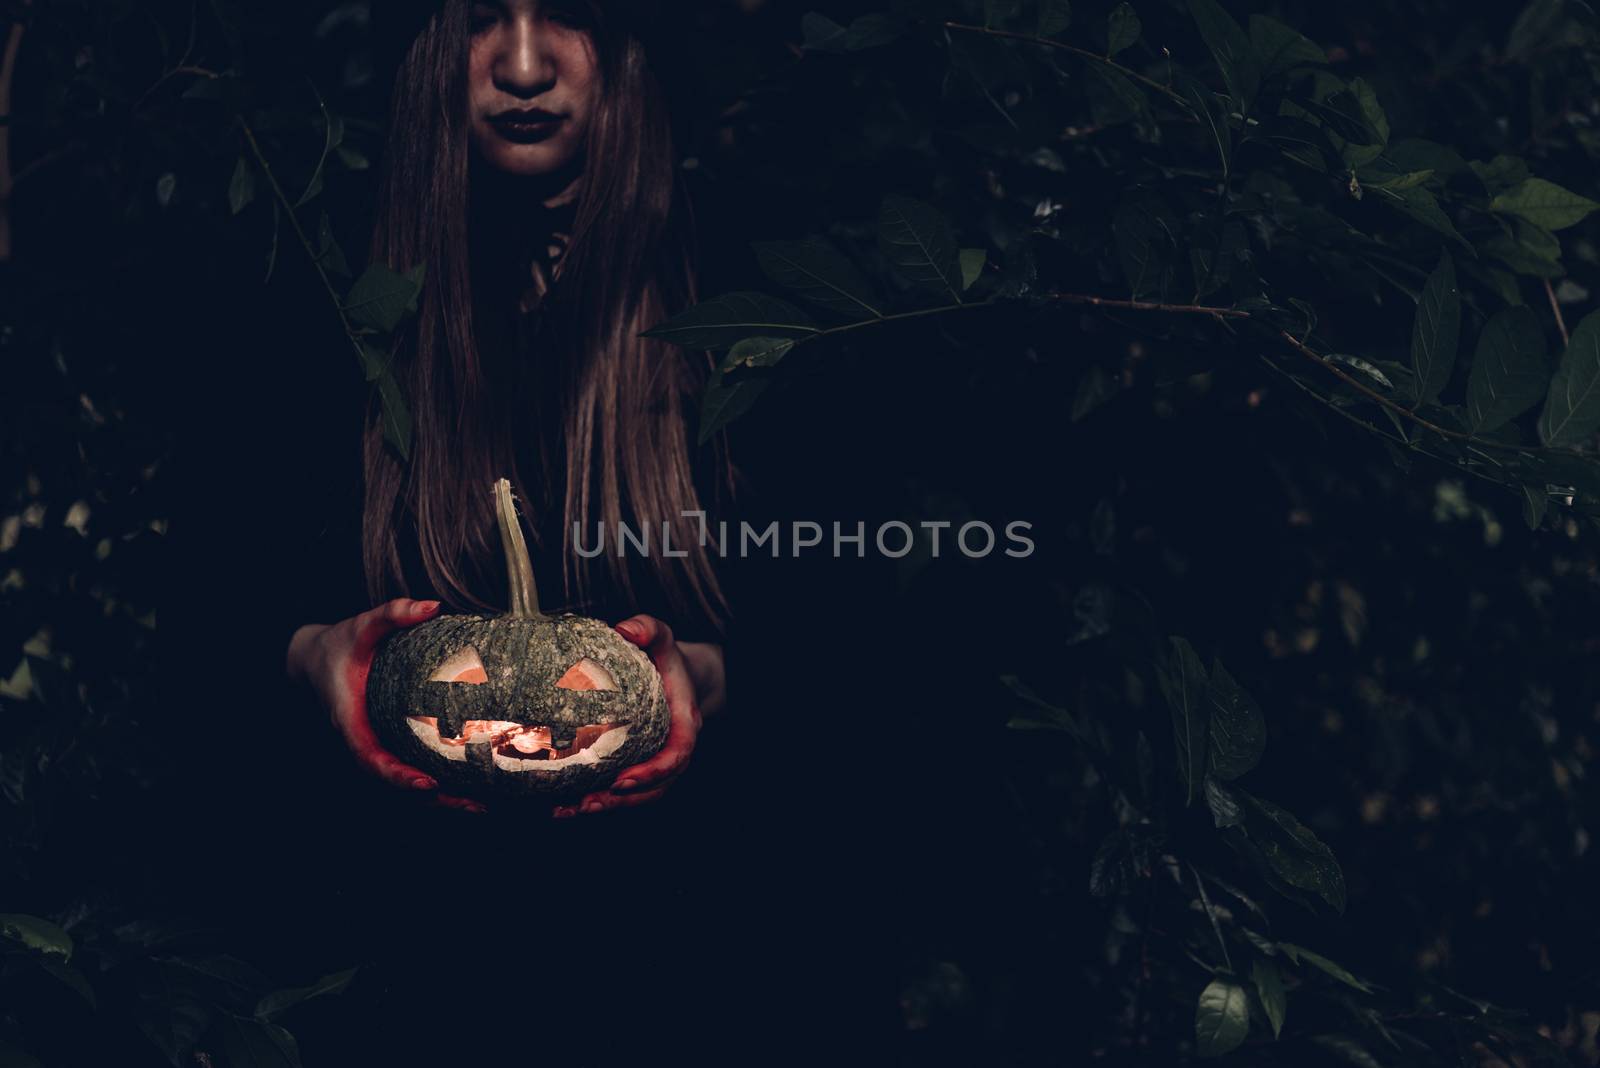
(615, 443)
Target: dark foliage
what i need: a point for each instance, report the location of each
(1274, 323)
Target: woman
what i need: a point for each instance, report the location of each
(530, 168)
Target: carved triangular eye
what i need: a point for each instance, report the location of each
(462, 665)
(587, 675)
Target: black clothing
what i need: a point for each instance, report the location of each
(704, 922)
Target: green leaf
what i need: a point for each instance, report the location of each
(821, 34)
(1094, 389)
(382, 297)
(171, 1019)
(1415, 154)
(241, 187)
(1122, 29)
(1213, 266)
(1294, 853)
(873, 30)
(374, 361)
(1366, 367)
(725, 399)
(69, 975)
(330, 257)
(756, 352)
(1422, 206)
(721, 322)
(1373, 118)
(271, 1005)
(1221, 1018)
(1526, 248)
(1183, 682)
(816, 272)
(254, 1044)
(1054, 16)
(353, 158)
(1501, 174)
(1236, 731)
(1146, 237)
(972, 261)
(1508, 369)
(1279, 48)
(1535, 503)
(1225, 810)
(272, 252)
(396, 417)
(1269, 988)
(19, 687)
(39, 935)
(919, 241)
(1544, 204)
(1435, 332)
(217, 979)
(1213, 115)
(1345, 114)
(15, 1057)
(1304, 142)
(1395, 182)
(1229, 46)
(1572, 408)
(1113, 97)
(999, 13)
(1055, 718)
(1544, 25)
(1300, 954)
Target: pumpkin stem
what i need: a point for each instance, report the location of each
(524, 591)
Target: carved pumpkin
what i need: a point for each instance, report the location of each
(518, 704)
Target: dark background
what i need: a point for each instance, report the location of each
(865, 862)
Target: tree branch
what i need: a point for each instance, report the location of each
(8, 73)
(1075, 50)
(1555, 306)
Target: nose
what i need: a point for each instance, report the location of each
(525, 65)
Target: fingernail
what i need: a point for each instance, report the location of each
(628, 630)
(591, 806)
(624, 784)
(424, 607)
(424, 784)
(560, 813)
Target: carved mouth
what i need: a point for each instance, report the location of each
(519, 747)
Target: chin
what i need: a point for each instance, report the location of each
(526, 160)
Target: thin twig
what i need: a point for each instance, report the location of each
(299, 232)
(1402, 410)
(1211, 914)
(8, 72)
(1555, 306)
(1145, 305)
(1075, 50)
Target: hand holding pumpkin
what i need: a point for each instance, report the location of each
(681, 667)
(334, 660)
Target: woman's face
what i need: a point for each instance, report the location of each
(532, 84)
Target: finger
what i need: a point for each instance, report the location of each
(606, 801)
(668, 763)
(373, 625)
(394, 771)
(466, 804)
(371, 755)
(647, 632)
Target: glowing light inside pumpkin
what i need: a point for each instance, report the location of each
(462, 665)
(587, 675)
(519, 746)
